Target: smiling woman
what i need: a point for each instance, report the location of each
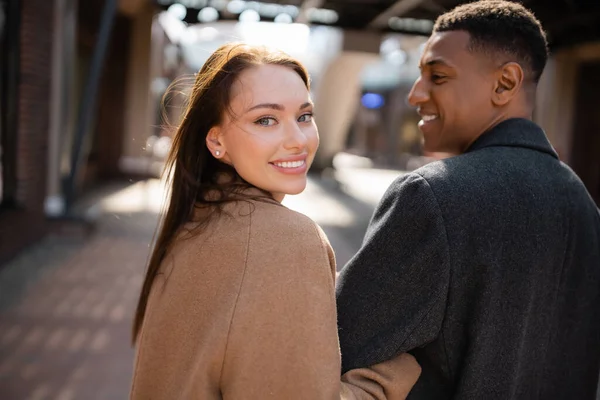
(238, 299)
(268, 135)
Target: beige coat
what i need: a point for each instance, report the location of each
(246, 310)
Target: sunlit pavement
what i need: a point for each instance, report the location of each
(343, 206)
(66, 303)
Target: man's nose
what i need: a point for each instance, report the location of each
(418, 94)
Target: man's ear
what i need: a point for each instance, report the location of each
(509, 80)
(214, 142)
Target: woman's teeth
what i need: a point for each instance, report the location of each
(290, 164)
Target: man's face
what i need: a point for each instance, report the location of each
(453, 95)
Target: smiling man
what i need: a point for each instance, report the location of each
(485, 266)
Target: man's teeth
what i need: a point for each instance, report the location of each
(428, 118)
(290, 164)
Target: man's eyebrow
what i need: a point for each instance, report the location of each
(434, 62)
(278, 107)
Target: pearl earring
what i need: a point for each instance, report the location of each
(217, 153)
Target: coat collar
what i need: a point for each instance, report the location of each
(515, 132)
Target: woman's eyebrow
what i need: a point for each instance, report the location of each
(278, 107)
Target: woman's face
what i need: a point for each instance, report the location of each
(269, 135)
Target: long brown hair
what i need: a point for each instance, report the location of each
(192, 171)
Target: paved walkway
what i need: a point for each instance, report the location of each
(66, 303)
(65, 311)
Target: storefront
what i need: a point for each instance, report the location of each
(74, 92)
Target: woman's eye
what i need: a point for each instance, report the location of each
(436, 77)
(305, 117)
(266, 121)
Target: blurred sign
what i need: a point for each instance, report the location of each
(372, 100)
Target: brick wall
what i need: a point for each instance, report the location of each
(27, 223)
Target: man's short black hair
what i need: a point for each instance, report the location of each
(502, 28)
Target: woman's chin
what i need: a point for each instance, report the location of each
(296, 189)
(280, 193)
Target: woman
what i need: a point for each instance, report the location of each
(238, 301)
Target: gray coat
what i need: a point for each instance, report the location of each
(486, 267)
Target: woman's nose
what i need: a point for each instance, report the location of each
(296, 137)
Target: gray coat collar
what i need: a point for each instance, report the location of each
(516, 132)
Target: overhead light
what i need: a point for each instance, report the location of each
(208, 14)
(291, 10)
(197, 4)
(178, 11)
(284, 19)
(249, 16)
(207, 34)
(236, 6)
(220, 5)
(269, 10)
(174, 28)
(322, 15)
(253, 5)
(388, 45)
(396, 57)
(411, 24)
(189, 36)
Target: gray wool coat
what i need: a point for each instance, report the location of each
(486, 267)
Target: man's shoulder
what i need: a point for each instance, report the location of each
(484, 167)
(501, 175)
(464, 177)
(451, 169)
(452, 165)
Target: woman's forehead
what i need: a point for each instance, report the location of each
(268, 84)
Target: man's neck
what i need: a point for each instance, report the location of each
(499, 118)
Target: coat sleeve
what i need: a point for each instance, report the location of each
(391, 296)
(282, 343)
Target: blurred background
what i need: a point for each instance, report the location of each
(83, 137)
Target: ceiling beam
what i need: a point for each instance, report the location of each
(579, 20)
(434, 7)
(397, 9)
(131, 7)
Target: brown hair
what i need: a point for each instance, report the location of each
(195, 176)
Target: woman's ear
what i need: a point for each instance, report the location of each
(508, 83)
(214, 143)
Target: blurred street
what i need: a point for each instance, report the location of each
(66, 303)
(91, 94)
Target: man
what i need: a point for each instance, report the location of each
(485, 266)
